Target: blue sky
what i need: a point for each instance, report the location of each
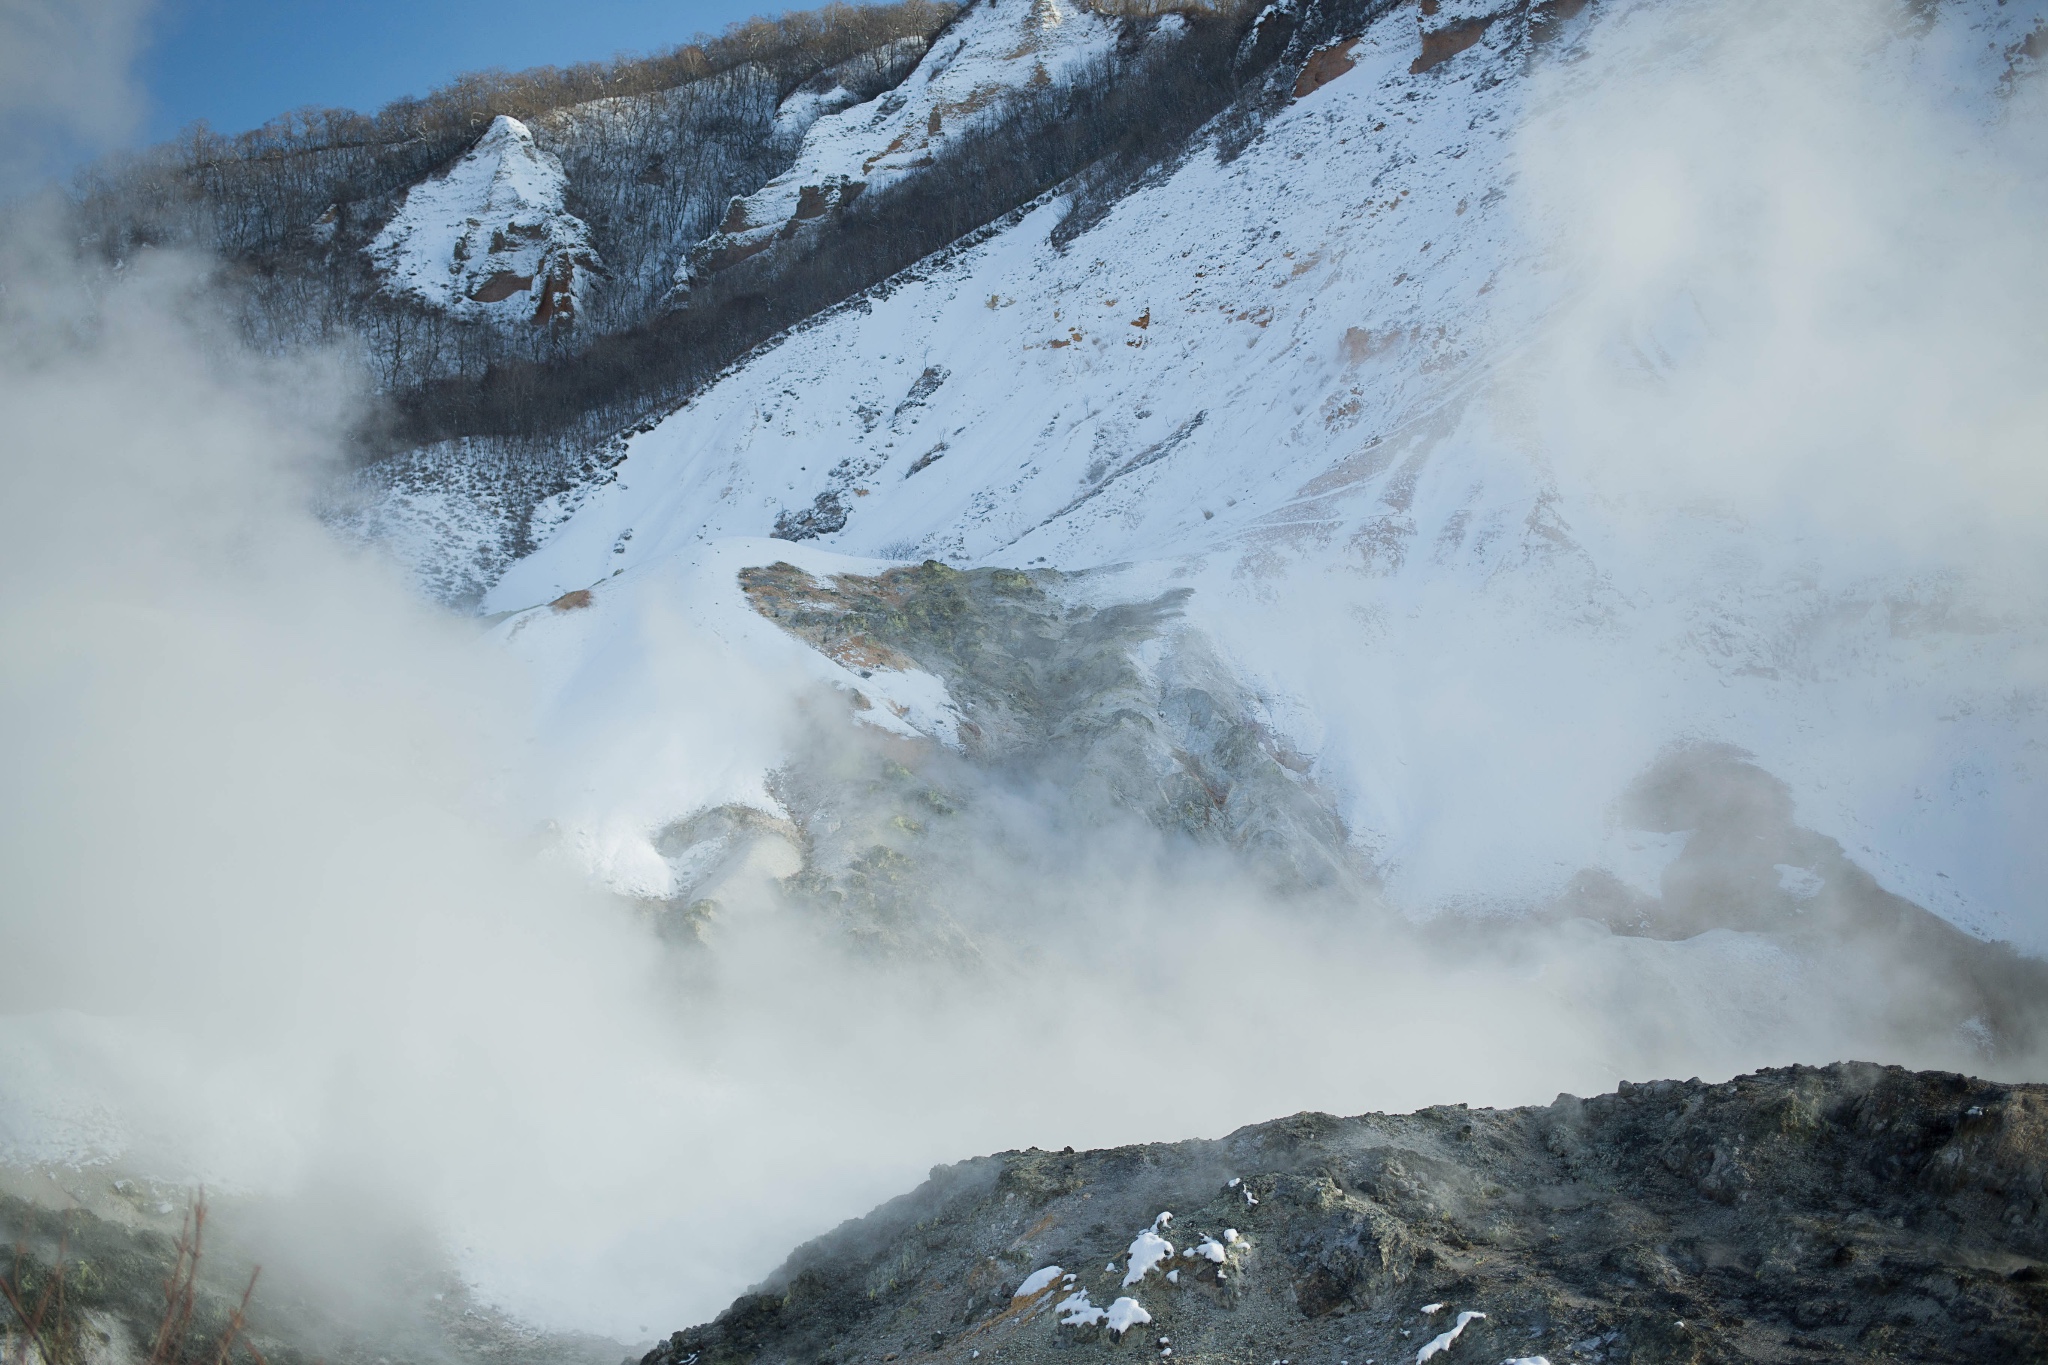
(235, 63)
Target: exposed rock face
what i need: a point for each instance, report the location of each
(1066, 723)
(1451, 26)
(1847, 1213)
(1118, 706)
(490, 237)
(1748, 864)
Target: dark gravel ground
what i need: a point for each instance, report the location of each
(1852, 1212)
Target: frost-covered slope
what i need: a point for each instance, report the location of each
(1365, 389)
(490, 237)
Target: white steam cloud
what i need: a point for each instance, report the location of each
(1807, 289)
(64, 81)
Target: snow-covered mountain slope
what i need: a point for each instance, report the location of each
(1362, 388)
(491, 237)
(997, 48)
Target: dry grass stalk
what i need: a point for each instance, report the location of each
(47, 1324)
(43, 1327)
(181, 1297)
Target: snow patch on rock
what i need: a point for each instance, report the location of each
(1438, 1345)
(1037, 1282)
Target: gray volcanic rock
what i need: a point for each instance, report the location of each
(1052, 691)
(1853, 1212)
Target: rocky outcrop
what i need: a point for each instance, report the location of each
(1852, 1212)
(1119, 706)
(1748, 865)
(491, 237)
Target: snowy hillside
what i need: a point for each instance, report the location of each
(1339, 386)
(491, 238)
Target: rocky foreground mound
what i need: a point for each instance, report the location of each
(1853, 1212)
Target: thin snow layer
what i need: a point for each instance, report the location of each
(54, 1109)
(1799, 882)
(1439, 1344)
(490, 238)
(1490, 521)
(795, 115)
(1037, 1282)
(996, 49)
(1077, 1310)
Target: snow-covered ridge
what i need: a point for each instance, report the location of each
(996, 48)
(490, 238)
